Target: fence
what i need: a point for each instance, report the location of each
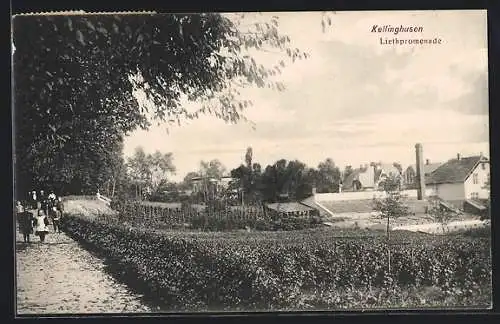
(80, 197)
(150, 214)
(106, 200)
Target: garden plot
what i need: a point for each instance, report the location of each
(371, 220)
(418, 222)
(437, 228)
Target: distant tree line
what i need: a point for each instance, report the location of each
(285, 180)
(148, 176)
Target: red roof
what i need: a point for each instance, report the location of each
(455, 170)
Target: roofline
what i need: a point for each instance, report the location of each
(480, 159)
(443, 182)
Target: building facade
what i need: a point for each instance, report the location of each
(461, 179)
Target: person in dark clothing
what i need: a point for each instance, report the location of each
(60, 206)
(55, 216)
(43, 199)
(26, 219)
(51, 200)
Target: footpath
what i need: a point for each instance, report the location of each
(60, 277)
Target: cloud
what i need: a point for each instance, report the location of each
(353, 99)
(474, 99)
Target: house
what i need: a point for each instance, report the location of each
(201, 184)
(410, 174)
(385, 170)
(460, 179)
(369, 177)
(360, 178)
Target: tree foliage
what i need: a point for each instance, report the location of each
(327, 178)
(391, 207)
(149, 171)
(187, 182)
(291, 180)
(78, 80)
(213, 169)
(439, 213)
(348, 170)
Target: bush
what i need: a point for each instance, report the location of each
(253, 271)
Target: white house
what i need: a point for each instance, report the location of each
(460, 179)
(368, 177)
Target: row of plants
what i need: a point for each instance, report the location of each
(288, 270)
(209, 220)
(205, 222)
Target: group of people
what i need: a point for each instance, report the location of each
(37, 213)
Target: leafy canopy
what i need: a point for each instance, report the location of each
(78, 79)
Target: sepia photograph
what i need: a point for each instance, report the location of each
(251, 162)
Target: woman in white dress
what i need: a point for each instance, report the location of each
(41, 225)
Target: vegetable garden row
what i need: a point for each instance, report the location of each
(291, 270)
(154, 216)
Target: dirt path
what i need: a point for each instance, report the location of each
(59, 276)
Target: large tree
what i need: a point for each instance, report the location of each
(212, 169)
(78, 77)
(286, 179)
(327, 177)
(187, 182)
(150, 171)
(161, 166)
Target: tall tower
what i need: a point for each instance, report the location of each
(420, 172)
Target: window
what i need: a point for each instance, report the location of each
(474, 195)
(483, 166)
(475, 179)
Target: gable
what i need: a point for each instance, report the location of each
(454, 170)
(477, 169)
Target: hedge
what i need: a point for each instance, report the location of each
(288, 270)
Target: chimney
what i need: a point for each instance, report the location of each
(420, 172)
(427, 162)
(458, 156)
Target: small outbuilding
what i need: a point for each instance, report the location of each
(290, 209)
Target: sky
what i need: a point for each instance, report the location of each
(354, 100)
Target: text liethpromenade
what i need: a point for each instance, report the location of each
(410, 41)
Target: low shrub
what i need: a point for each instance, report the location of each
(482, 231)
(278, 271)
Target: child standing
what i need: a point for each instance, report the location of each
(41, 223)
